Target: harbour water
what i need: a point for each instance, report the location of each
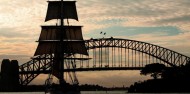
(103, 92)
(90, 92)
(82, 92)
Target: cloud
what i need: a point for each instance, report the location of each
(133, 13)
(183, 18)
(181, 22)
(178, 43)
(12, 33)
(17, 48)
(21, 58)
(11, 56)
(119, 30)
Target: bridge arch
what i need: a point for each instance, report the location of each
(168, 56)
(41, 64)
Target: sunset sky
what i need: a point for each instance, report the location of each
(162, 22)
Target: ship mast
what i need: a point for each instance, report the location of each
(61, 80)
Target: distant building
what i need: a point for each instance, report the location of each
(9, 79)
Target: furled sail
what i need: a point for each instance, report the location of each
(52, 33)
(68, 10)
(49, 40)
(51, 47)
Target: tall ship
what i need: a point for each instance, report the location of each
(61, 42)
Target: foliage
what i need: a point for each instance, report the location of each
(154, 70)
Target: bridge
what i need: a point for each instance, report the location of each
(106, 54)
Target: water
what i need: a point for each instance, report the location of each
(90, 92)
(103, 92)
(82, 92)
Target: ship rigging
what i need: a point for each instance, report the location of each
(61, 42)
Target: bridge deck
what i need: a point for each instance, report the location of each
(83, 69)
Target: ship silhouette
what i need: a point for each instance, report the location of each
(61, 42)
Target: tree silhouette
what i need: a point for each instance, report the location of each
(155, 70)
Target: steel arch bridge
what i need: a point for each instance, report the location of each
(106, 54)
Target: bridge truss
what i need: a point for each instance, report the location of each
(106, 54)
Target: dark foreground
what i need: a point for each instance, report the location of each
(41, 88)
(173, 80)
(161, 86)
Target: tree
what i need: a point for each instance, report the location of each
(155, 70)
